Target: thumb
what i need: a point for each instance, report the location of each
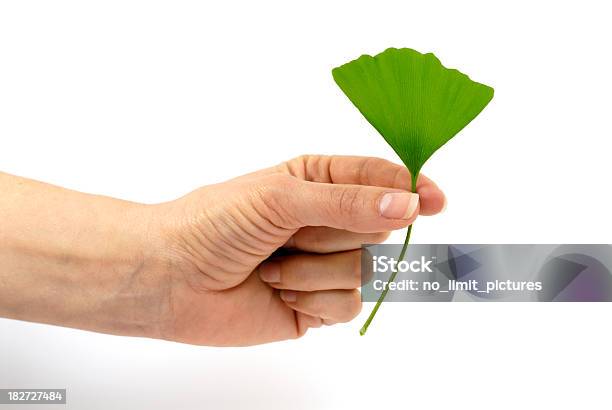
(357, 208)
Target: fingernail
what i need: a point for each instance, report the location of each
(270, 272)
(399, 205)
(288, 295)
(444, 206)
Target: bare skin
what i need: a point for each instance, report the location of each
(206, 268)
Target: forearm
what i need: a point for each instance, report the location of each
(74, 259)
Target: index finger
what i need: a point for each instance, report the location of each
(372, 171)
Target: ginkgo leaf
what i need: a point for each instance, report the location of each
(412, 100)
(416, 104)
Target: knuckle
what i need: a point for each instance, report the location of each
(365, 169)
(298, 166)
(314, 168)
(301, 158)
(272, 193)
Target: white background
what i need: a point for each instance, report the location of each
(149, 100)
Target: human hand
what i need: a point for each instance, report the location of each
(206, 268)
(215, 247)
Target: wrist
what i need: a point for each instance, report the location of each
(77, 260)
(127, 276)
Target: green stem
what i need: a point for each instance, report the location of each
(380, 300)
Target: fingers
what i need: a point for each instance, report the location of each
(332, 306)
(365, 171)
(356, 208)
(320, 288)
(322, 239)
(306, 272)
(349, 170)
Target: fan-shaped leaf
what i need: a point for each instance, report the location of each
(414, 102)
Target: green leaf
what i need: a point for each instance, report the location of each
(414, 102)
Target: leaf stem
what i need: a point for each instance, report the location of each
(382, 296)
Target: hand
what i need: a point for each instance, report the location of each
(207, 268)
(216, 247)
